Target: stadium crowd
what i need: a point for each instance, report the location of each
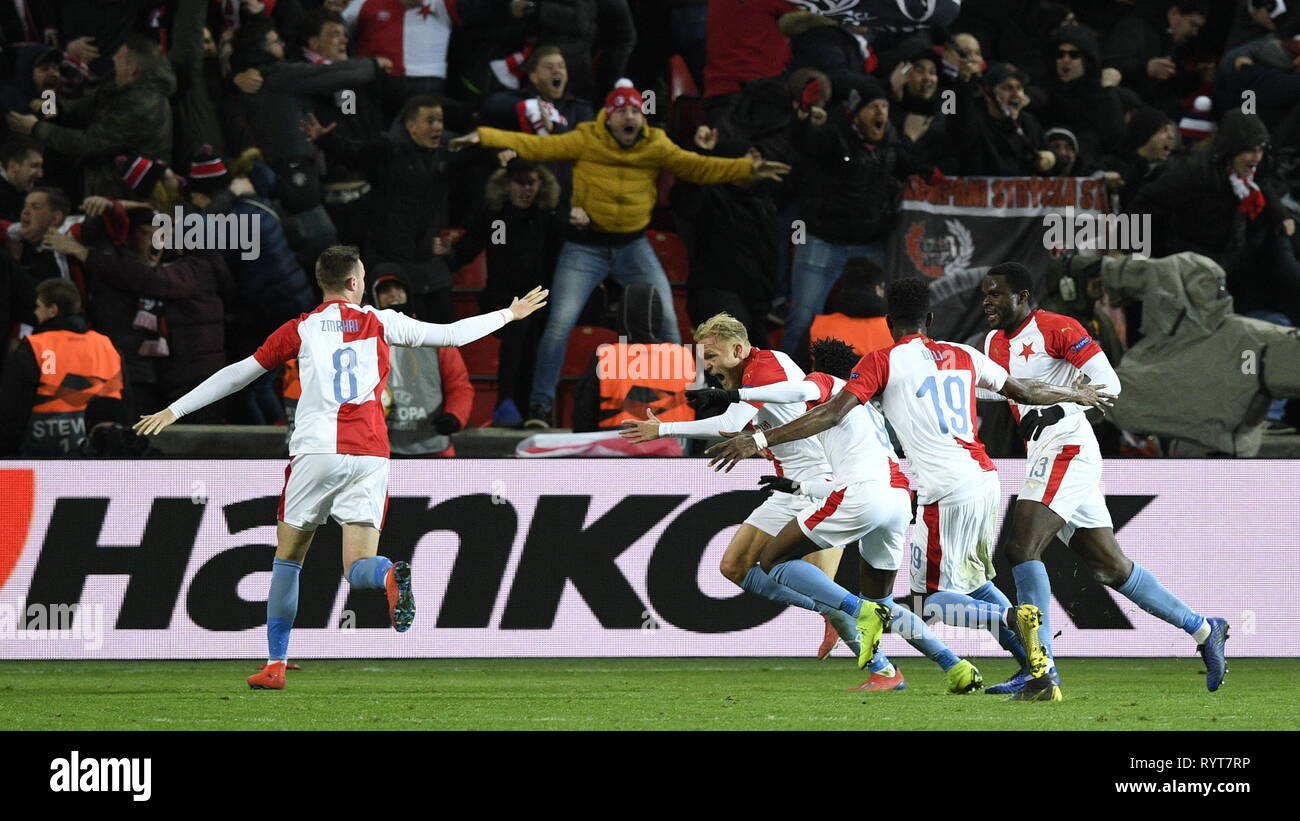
(475, 148)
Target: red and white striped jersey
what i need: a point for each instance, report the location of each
(928, 392)
(803, 460)
(858, 448)
(343, 361)
(1046, 346)
(414, 39)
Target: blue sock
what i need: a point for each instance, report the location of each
(763, 585)
(800, 577)
(368, 574)
(1146, 591)
(989, 592)
(795, 582)
(1033, 587)
(960, 610)
(281, 607)
(878, 663)
(916, 633)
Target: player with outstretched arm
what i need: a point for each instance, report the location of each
(1062, 491)
(727, 354)
(338, 455)
(927, 389)
(868, 501)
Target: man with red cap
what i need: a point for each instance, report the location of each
(617, 160)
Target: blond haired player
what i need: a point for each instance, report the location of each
(727, 354)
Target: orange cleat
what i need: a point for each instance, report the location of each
(288, 666)
(879, 682)
(829, 638)
(401, 601)
(270, 677)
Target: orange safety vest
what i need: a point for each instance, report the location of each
(634, 378)
(865, 334)
(74, 368)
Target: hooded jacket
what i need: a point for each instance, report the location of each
(135, 119)
(1192, 204)
(1137, 39)
(1187, 378)
(617, 186)
(1093, 113)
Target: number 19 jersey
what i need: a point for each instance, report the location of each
(927, 389)
(343, 356)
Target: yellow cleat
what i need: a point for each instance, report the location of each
(962, 678)
(1025, 621)
(873, 621)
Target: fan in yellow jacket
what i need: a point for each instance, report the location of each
(617, 161)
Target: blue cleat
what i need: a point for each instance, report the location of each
(1043, 688)
(1216, 666)
(1011, 685)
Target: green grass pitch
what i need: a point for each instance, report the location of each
(630, 694)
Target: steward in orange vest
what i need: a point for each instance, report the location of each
(51, 376)
(637, 373)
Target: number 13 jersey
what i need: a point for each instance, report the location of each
(343, 356)
(927, 389)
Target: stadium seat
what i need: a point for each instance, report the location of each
(481, 356)
(680, 80)
(485, 400)
(472, 274)
(465, 303)
(684, 325)
(582, 344)
(672, 255)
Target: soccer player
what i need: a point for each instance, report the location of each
(927, 389)
(869, 501)
(338, 462)
(727, 354)
(1062, 491)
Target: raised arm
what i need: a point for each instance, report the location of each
(823, 417)
(223, 383)
(535, 147)
(400, 329)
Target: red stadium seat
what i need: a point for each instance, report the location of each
(481, 356)
(485, 401)
(473, 274)
(684, 325)
(672, 255)
(465, 303)
(680, 80)
(582, 344)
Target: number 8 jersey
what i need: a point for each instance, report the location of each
(343, 356)
(927, 389)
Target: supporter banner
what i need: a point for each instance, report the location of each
(613, 557)
(976, 222)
